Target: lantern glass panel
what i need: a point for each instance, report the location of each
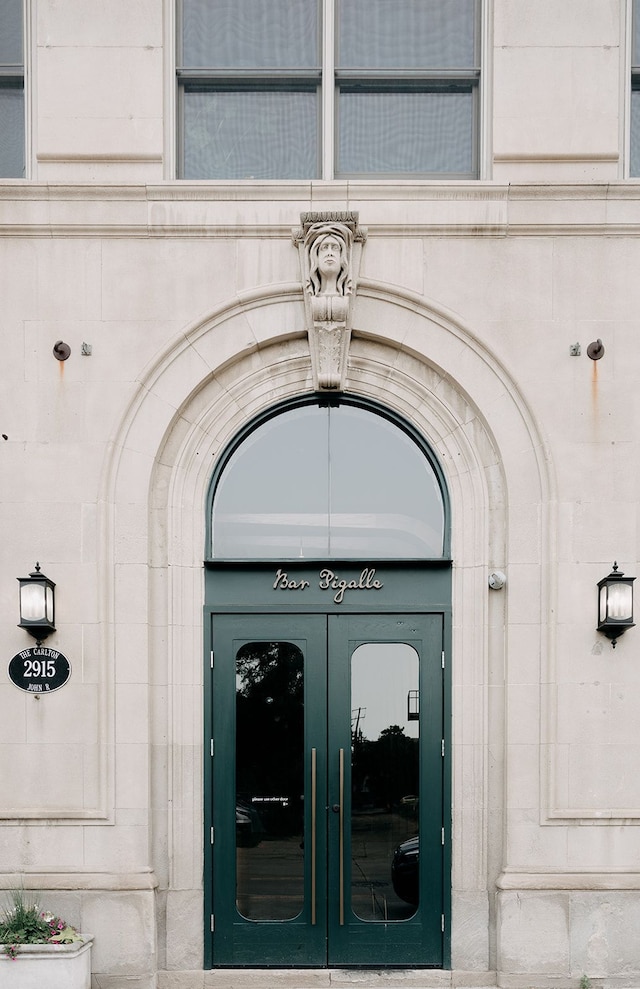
(32, 602)
(620, 602)
(603, 605)
(49, 616)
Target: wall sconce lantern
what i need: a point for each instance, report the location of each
(615, 604)
(37, 604)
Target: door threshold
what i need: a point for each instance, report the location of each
(327, 978)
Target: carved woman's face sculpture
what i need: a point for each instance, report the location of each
(328, 260)
(329, 257)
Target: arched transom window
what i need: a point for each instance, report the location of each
(335, 481)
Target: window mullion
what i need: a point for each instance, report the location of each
(328, 87)
(628, 137)
(28, 60)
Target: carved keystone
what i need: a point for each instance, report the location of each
(330, 248)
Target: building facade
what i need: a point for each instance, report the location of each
(273, 496)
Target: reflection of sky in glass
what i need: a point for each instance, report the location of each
(382, 674)
(328, 482)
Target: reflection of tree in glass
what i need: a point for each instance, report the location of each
(384, 771)
(270, 733)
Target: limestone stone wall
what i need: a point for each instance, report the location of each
(183, 307)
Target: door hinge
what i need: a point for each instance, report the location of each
(213, 923)
(442, 923)
(213, 836)
(442, 748)
(212, 748)
(441, 835)
(211, 659)
(442, 658)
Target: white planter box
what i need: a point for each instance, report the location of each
(48, 966)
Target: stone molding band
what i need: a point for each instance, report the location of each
(571, 881)
(82, 881)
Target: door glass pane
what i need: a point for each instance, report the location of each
(384, 781)
(250, 133)
(269, 780)
(317, 483)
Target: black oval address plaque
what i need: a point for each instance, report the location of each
(39, 670)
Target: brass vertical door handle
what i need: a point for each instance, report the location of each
(341, 838)
(314, 817)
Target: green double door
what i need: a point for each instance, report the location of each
(325, 823)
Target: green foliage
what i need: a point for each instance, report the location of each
(585, 982)
(23, 923)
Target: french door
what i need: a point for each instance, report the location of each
(325, 812)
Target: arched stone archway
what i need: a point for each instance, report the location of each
(424, 364)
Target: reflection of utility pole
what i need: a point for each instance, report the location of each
(357, 780)
(361, 714)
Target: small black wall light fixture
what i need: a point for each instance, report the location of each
(37, 604)
(61, 350)
(615, 604)
(595, 350)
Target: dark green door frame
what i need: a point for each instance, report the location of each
(327, 616)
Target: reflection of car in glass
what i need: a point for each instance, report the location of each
(409, 805)
(404, 870)
(249, 828)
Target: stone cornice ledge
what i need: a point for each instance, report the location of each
(116, 881)
(570, 881)
(335, 192)
(391, 209)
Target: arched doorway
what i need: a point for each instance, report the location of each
(177, 425)
(327, 627)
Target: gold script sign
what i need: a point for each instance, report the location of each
(328, 580)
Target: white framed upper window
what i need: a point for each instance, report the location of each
(12, 129)
(304, 89)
